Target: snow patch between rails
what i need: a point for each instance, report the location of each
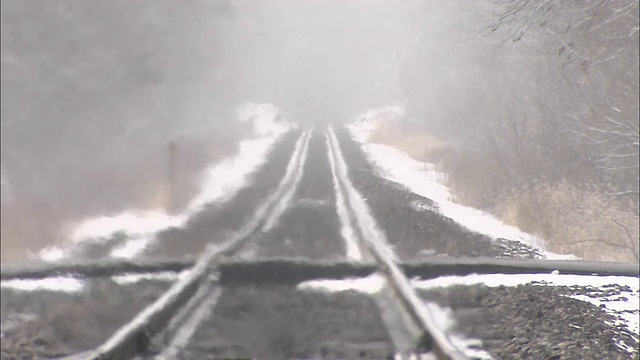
(60, 284)
(371, 284)
(421, 178)
(220, 182)
(625, 311)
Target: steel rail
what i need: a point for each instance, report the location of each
(430, 338)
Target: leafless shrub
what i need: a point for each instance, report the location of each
(543, 119)
(574, 220)
(419, 144)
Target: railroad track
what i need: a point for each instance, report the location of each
(178, 313)
(179, 310)
(197, 289)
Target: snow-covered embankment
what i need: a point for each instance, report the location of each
(421, 178)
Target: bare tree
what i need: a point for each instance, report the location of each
(596, 45)
(543, 114)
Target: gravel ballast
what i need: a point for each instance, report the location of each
(411, 222)
(280, 322)
(531, 321)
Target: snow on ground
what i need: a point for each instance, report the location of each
(265, 119)
(220, 182)
(71, 284)
(160, 276)
(369, 285)
(132, 222)
(60, 283)
(422, 179)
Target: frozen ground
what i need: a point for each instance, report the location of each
(616, 295)
(220, 181)
(421, 178)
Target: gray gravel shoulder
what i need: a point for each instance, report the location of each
(534, 322)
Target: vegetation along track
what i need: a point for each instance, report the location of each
(217, 301)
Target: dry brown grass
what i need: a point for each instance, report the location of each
(25, 227)
(573, 220)
(580, 221)
(419, 144)
(13, 252)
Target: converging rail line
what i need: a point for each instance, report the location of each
(134, 337)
